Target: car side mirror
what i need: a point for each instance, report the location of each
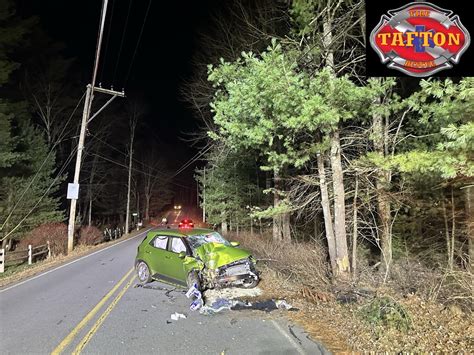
(182, 255)
(235, 244)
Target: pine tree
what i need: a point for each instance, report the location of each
(27, 166)
(27, 175)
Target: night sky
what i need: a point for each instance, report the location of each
(161, 64)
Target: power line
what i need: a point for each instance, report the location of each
(138, 42)
(193, 159)
(107, 40)
(139, 171)
(134, 159)
(123, 37)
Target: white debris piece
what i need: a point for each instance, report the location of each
(176, 316)
(230, 293)
(282, 304)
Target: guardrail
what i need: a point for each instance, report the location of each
(113, 233)
(20, 256)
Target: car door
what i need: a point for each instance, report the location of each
(174, 267)
(156, 252)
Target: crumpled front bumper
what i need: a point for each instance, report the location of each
(235, 273)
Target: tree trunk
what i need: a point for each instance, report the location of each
(342, 256)
(89, 189)
(327, 41)
(470, 225)
(342, 266)
(127, 214)
(453, 227)
(6, 241)
(355, 227)
(382, 185)
(90, 211)
(328, 227)
(147, 207)
(383, 206)
(138, 204)
(129, 184)
(277, 218)
(281, 221)
(286, 227)
(446, 232)
(224, 227)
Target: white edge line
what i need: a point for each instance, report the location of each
(290, 339)
(72, 262)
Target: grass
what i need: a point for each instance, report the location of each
(12, 269)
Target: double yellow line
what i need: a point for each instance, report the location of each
(71, 336)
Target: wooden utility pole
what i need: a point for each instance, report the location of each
(204, 196)
(85, 120)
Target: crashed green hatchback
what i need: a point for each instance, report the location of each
(194, 256)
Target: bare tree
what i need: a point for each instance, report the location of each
(152, 175)
(134, 115)
(48, 91)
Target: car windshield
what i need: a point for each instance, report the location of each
(195, 241)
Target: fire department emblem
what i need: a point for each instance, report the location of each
(420, 39)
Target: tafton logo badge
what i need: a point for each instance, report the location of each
(420, 39)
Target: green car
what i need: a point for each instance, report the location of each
(188, 256)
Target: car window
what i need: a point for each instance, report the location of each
(160, 242)
(177, 245)
(197, 240)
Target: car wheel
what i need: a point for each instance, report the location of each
(143, 272)
(250, 283)
(192, 279)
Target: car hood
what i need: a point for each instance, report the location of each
(215, 255)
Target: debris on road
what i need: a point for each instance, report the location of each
(197, 297)
(167, 292)
(210, 296)
(282, 304)
(218, 305)
(236, 305)
(155, 287)
(267, 306)
(193, 291)
(176, 316)
(196, 304)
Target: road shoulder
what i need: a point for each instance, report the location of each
(50, 265)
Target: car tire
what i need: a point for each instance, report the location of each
(143, 272)
(193, 278)
(250, 284)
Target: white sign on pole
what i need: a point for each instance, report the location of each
(72, 191)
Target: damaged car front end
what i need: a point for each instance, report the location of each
(223, 265)
(238, 273)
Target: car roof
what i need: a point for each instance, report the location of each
(174, 232)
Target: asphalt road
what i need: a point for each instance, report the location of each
(92, 306)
